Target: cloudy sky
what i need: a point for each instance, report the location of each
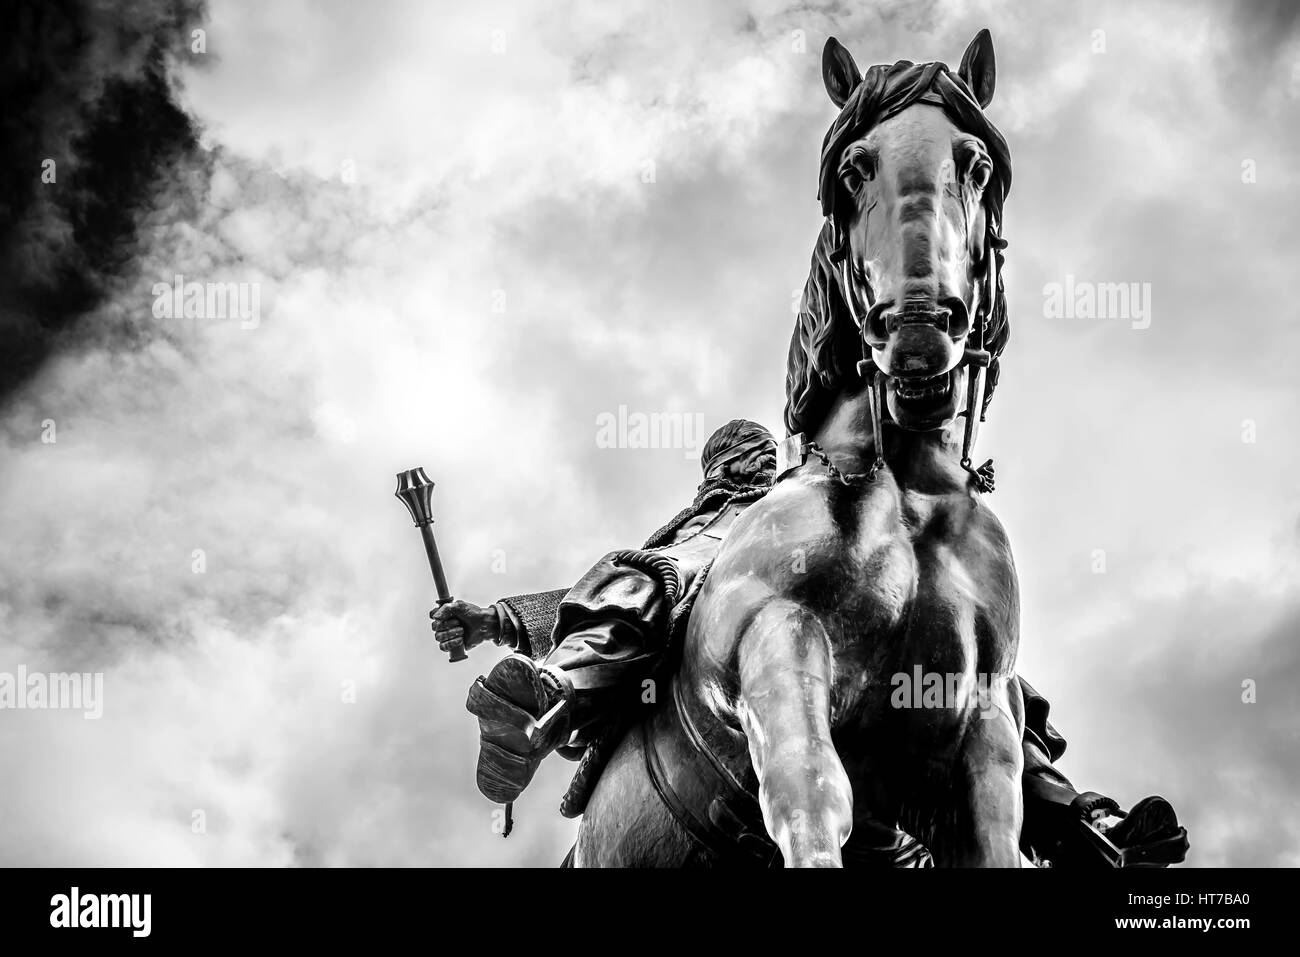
(476, 229)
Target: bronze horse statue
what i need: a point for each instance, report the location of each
(874, 555)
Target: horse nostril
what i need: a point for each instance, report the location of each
(958, 316)
(879, 323)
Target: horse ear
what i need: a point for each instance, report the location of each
(839, 71)
(977, 67)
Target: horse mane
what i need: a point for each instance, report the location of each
(826, 345)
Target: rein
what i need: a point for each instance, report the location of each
(977, 361)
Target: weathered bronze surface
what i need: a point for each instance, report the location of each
(772, 629)
(841, 578)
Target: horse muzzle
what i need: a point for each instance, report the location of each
(919, 351)
(917, 342)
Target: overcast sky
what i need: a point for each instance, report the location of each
(476, 229)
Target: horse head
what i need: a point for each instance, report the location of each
(906, 274)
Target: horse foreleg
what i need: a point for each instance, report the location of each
(785, 681)
(985, 803)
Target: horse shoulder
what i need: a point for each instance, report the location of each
(999, 585)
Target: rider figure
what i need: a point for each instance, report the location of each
(579, 651)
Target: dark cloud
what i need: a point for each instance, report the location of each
(88, 86)
(1224, 757)
(1263, 29)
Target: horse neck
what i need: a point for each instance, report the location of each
(846, 436)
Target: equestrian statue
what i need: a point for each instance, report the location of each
(814, 663)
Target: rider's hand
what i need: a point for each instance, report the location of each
(464, 621)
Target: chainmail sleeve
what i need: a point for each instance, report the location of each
(534, 619)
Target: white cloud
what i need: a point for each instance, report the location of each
(274, 449)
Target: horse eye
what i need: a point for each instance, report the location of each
(981, 172)
(856, 169)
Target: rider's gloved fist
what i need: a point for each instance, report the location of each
(464, 621)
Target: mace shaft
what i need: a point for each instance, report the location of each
(435, 564)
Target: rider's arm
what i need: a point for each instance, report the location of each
(510, 631)
(528, 621)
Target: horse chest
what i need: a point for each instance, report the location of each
(901, 569)
(942, 582)
(894, 575)
(915, 552)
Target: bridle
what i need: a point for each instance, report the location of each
(976, 359)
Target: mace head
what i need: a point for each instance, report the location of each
(415, 490)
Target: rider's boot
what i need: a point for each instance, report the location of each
(522, 714)
(1089, 829)
(1150, 835)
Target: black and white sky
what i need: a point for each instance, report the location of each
(476, 230)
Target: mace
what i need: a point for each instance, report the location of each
(415, 490)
